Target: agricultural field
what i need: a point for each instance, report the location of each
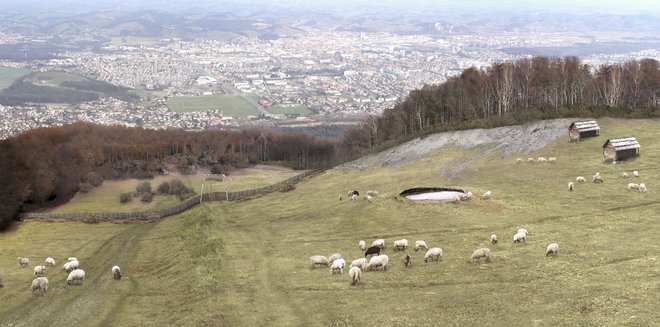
(280, 110)
(9, 75)
(234, 106)
(245, 263)
(54, 78)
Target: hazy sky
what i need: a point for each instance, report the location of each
(446, 6)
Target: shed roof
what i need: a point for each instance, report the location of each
(584, 126)
(622, 143)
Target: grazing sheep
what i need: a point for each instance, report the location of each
(318, 260)
(571, 186)
(71, 265)
(625, 175)
(493, 239)
(76, 276)
(433, 253)
(406, 260)
(355, 274)
(40, 284)
(487, 195)
(354, 197)
(530, 160)
(354, 192)
(480, 253)
(50, 262)
(337, 265)
(522, 230)
(420, 244)
(519, 237)
(541, 159)
(379, 242)
(372, 194)
(116, 273)
(552, 160)
(39, 271)
(519, 160)
(369, 198)
(597, 178)
(362, 244)
(378, 261)
(552, 249)
(633, 186)
(372, 250)
(642, 187)
(23, 262)
(72, 259)
(580, 179)
(455, 199)
(635, 173)
(400, 244)
(362, 263)
(334, 257)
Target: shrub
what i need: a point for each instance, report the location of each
(164, 188)
(125, 197)
(84, 187)
(176, 186)
(287, 186)
(94, 179)
(147, 197)
(144, 187)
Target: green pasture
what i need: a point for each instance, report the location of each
(282, 110)
(54, 78)
(245, 263)
(8, 75)
(234, 106)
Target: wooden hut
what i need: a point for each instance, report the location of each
(620, 148)
(582, 129)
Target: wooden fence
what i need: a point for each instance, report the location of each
(154, 214)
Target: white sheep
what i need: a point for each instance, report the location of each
(406, 260)
(519, 237)
(493, 239)
(378, 261)
(571, 186)
(338, 265)
(334, 257)
(541, 159)
(363, 245)
(465, 196)
(480, 253)
(40, 284)
(379, 243)
(433, 253)
(642, 187)
(552, 249)
(580, 179)
(597, 178)
(400, 244)
(519, 160)
(372, 194)
(625, 175)
(487, 195)
(552, 160)
(455, 199)
(420, 244)
(71, 265)
(76, 276)
(522, 230)
(39, 271)
(50, 262)
(635, 173)
(354, 197)
(72, 259)
(355, 274)
(530, 160)
(318, 260)
(362, 263)
(369, 198)
(23, 262)
(633, 186)
(116, 272)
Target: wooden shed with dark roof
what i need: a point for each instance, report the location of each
(582, 129)
(620, 148)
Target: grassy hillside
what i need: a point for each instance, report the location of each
(9, 75)
(245, 263)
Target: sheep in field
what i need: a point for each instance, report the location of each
(369, 198)
(337, 266)
(487, 195)
(480, 253)
(72, 259)
(400, 244)
(552, 249)
(541, 159)
(519, 237)
(334, 257)
(552, 160)
(530, 160)
(71, 265)
(633, 186)
(40, 284)
(406, 260)
(519, 160)
(23, 262)
(363, 245)
(355, 274)
(318, 260)
(354, 192)
(116, 272)
(372, 194)
(493, 239)
(580, 179)
(39, 271)
(635, 173)
(76, 276)
(597, 178)
(420, 244)
(378, 261)
(50, 262)
(361, 263)
(522, 230)
(372, 250)
(353, 197)
(571, 186)
(433, 253)
(625, 175)
(642, 187)
(379, 242)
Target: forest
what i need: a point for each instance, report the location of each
(45, 167)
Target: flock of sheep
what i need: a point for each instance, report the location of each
(76, 275)
(380, 261)
(598, 178)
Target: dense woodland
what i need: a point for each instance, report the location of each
(47, 166)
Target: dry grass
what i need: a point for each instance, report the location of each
(245, 263)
